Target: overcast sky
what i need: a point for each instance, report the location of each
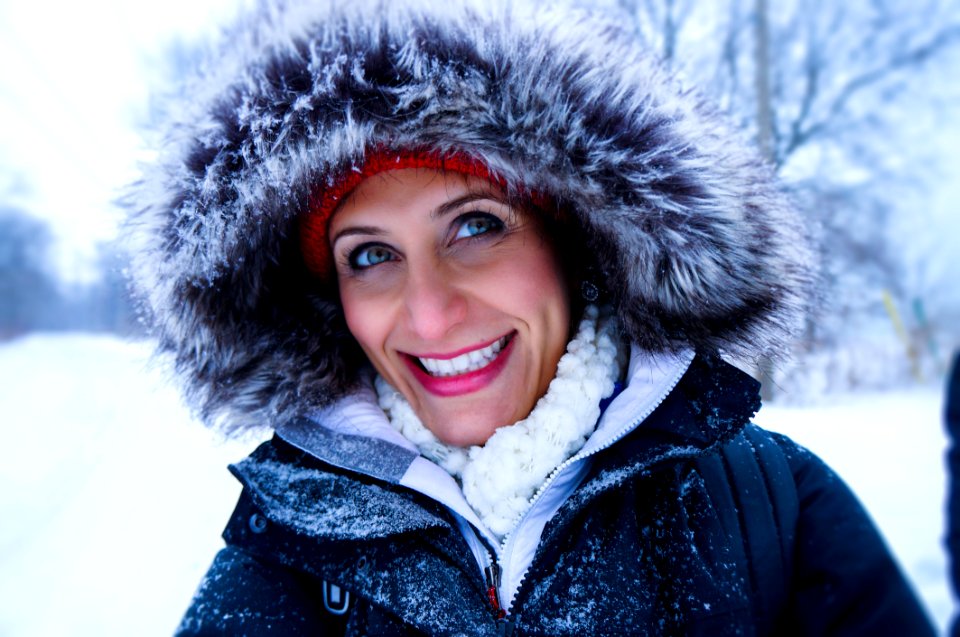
(74, 80)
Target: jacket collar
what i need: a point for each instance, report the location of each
(709, 405)
(291, 489)
(354, 435)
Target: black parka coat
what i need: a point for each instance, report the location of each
(656, 541)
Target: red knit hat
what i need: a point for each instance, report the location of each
(315, 223)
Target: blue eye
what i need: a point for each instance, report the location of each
(367, 256)
(478, 224)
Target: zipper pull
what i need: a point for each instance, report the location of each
(492, 574)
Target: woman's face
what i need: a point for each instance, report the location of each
(456, 297)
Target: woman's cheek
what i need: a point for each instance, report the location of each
(363, 313)
(533, 279)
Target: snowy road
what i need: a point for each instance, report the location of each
(112, 499)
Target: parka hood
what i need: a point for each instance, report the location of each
(685, 226)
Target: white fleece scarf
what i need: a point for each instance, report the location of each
(501, 477)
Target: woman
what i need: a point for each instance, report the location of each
(476, 268)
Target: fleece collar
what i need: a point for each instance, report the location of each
(711, 403)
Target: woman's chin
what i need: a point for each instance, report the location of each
(471, 417)
(466, 425)
(466, 409)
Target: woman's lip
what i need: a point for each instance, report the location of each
(446, 386)
(459, 352)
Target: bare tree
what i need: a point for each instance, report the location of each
(839, 61)
(824, 72)
(28, 292)
(823, 86)
(658, 22)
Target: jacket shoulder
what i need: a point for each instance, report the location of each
(845, 579)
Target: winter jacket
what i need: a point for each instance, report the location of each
(952, 419)
(652, 542)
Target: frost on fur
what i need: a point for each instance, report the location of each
(695, 245)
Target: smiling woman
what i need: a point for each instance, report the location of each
(480, 269)
(454, 295)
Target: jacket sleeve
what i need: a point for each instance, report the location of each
(846, 582)
(952, 422)
(241, 595)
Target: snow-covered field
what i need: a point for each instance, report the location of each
(112, 499)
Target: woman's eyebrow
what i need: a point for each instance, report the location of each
(470, 197)
(354, 230)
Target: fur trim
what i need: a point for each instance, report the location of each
(693, 242)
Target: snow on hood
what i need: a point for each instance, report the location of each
(691, 237)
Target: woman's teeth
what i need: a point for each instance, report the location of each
(469, 362)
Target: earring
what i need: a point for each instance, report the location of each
(589, 291)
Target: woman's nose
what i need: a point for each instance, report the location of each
(434, 303)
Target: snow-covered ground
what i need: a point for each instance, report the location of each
(112, 499)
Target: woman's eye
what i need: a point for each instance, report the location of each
(478, 224)
(369, 256)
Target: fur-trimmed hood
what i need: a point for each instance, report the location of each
(694, 243)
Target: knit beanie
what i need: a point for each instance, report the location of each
(315, 223)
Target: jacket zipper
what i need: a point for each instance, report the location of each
(576, 458)
(493, 573)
